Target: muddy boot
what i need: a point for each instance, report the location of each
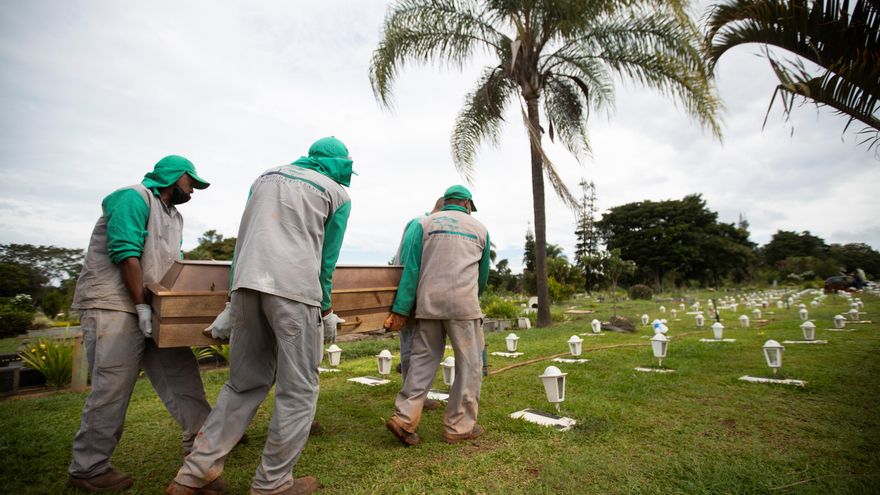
(110, 481)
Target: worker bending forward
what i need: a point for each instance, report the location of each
(288, 243)
(446, 266)
(134, 243)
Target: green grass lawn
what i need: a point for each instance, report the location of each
(698, 430)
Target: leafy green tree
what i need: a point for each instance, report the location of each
(613, 267)
(212, 246)
(53, 303)
(52, 262)
(856, 255)
(785, 244)
(559, 56)
(841, 38)
(587, 234)
(17, 278)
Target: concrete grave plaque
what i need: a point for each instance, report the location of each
(545, 419)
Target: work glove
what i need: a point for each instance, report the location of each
(145, 319)
(330, 323)
(222, 326)
(394, 322)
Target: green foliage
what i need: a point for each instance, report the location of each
(53, 358)
(14, 323)
(221, 350)
(202, 352)
(21, 302)
(785, 244)
(212, 246)
(856, 255)
(842, 39)
(641, 291)
(496, 307)
(559, 292)
(52, 303)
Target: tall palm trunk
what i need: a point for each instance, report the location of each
(540, 218)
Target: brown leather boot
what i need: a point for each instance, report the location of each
(475, 433)
(216, 487)
(404, 436)
(110, 481)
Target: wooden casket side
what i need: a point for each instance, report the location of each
(192, 293)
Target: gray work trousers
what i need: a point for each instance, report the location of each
(274, 340)
(117, 350)
(428, 347)
(406, 338)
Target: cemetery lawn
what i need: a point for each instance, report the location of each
(699, 430)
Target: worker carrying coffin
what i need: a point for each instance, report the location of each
(288, 243)
(135, 241)
(446, 267)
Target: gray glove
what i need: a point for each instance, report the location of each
(330, 323)
(145, 319)
(222, 326)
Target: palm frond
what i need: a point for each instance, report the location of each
(552, 175)
(481, 118)
(566, 103)
(425, 30)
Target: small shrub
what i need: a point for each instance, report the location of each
(495, 307)
(559, 292)
(203, 352)
(53, 358)
(221, 350)
(41, 321)
(14, 323)
(641, 291)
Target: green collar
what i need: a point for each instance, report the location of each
(455, 208)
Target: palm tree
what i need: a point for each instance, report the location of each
(559, 55)
(841, 38)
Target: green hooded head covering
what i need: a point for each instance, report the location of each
(168, 170)
(330, 157)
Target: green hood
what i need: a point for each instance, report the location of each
(330, 157)
(168, 170)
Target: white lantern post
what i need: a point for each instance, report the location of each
(334, 353)
(575, 345)
(803, 314)
(854, 314)
(645, 320)
(700, 320)
(383, 361)
(554, 385)
(717, 330)
(744, 321)
(779, 304)
(839, 321)
(448, 366)
(662, 309)
(756, 313)
(773, 354)
(597, 326)
(659, 345)
(673, 312)
(511, 342)
(809, 329)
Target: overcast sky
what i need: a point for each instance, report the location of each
(94, 93)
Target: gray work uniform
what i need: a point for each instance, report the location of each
(409, 328)
(117, 349)
(276, 326)
(447, 305)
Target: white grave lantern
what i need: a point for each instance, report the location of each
(575, 344)
(383, 360)
(756, 313)
(662, 309)
(779, 304)
(554, 385)
(511, 342)
(859, 302)
(700, 320)
(802, 306)
(645, 319)
(681, 306)
(334, 353)
(597, 326)
(773, 354)
(814, 303)
(803, 313)
(659, 344)
(744, 321)
(809, 329)
(854, 314)
(717, 330)
(673, 312)
(839, 321)
(448, 366)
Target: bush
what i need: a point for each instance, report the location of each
(52, 358)
(559, 292)
(641, 291)
(14, 323)
(495, 307)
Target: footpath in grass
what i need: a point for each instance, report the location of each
(697, 430)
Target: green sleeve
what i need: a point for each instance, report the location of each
(334, 231)
(484, 267)
(126, 214)
(411, 258)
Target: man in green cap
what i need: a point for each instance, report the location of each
(280, 311)
(135, 241)
(446, 267)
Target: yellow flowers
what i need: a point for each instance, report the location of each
(53, 358)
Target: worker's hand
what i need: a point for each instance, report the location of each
(145, 319)
(331, 321)
(222, 326)
(394, 322)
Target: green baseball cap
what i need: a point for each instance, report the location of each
(460, 192)
(169, 169)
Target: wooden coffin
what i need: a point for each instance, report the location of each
(193, 293)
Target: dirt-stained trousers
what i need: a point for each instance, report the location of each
(274, 340)
(117, 350)
(428, 347)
